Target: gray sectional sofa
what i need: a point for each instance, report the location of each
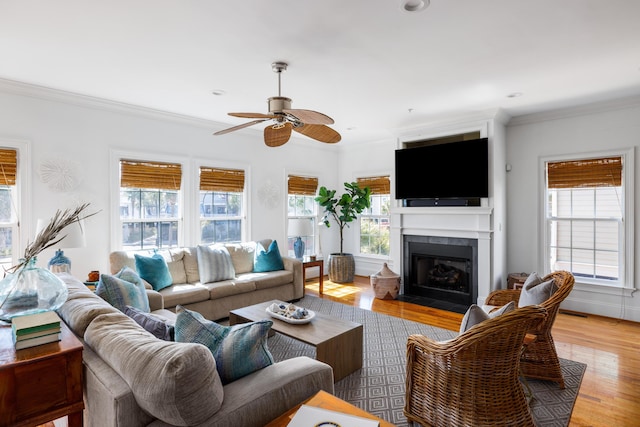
(132, 379)
(214, 300)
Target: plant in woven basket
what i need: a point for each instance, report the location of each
(343, 210)
(27, 289)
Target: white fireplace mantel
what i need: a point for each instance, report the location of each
(469, 222)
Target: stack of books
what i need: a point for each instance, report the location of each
(35, 329)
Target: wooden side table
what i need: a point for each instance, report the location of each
(308, 264)
(41, 383)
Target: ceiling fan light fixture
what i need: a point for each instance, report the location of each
(306, 122)
(412, 6)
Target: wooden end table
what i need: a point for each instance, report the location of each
(325, 400)
(307, 263)
(338, 342)
(41, 383)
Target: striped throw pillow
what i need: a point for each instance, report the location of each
(238, 350)
(123, 289)
(214, 264)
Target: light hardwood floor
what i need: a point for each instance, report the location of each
(610, 391)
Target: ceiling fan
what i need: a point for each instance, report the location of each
(285, 119)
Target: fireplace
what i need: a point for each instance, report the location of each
(442, 271)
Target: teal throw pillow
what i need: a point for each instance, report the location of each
(269, 260)
(154, 269)
(238, 350)
(214, 264)
(123, 289)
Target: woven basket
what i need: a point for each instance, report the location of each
(342, 268)
(385, 283)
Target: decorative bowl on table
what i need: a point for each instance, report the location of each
(290, 313)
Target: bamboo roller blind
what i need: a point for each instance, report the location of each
(377, 184)
(217, 179)
(142, 174)
(8, 166)
(302, 185)
(600, 172)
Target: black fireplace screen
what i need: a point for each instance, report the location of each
(442, 269)
(446, 273)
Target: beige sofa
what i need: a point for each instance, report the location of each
(215, 300)
(132, 379)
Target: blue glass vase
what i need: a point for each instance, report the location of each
(30, 290)
(298, 248)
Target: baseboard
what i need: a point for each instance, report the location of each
(619, 310)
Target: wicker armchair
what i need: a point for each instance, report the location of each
(471, 380)
(540, 361)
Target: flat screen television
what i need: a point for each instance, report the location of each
(452, 170)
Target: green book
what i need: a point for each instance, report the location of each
(30, 323)
(53, 330)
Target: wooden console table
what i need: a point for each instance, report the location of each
(41, 383)
(316, 263)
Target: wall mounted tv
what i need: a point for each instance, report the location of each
(452, 173)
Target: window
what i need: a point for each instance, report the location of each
(149, 204)
(374, 221)
(302, 212)
(585, 219)
(221, 205)
(8, 214)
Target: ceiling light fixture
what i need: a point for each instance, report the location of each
(218, 92)
(514, 95)
(414, 5)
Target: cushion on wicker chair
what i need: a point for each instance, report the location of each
(535, 291)
(475, 314)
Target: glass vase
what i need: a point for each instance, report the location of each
(30, 290)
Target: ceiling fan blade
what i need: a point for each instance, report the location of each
(278, 134)
(253, 115)
(244, 125)
(321, 133)
(310, 117)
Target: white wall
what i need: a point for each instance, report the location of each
(578, 131)
(57, 125)
(84, 130)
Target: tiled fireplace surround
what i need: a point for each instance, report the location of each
(463, 222)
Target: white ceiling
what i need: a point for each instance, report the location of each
(375, 69)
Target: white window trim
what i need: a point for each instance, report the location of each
(26, 227)
(317, 249)
(114, 170)
(355, 238)
(628, 183)
(194, 178)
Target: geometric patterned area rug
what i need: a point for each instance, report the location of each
(379, 387)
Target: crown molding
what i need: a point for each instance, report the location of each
(582, 110)
(57, 95)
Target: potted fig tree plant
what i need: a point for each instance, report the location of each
(343, 210)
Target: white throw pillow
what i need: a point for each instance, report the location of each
(214, 264)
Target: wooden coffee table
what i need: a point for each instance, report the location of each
(327, 401)
(338, 342)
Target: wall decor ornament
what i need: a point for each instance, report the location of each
(268, 195)
(61, 175)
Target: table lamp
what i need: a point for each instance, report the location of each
(73, 238)
(299, 227)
